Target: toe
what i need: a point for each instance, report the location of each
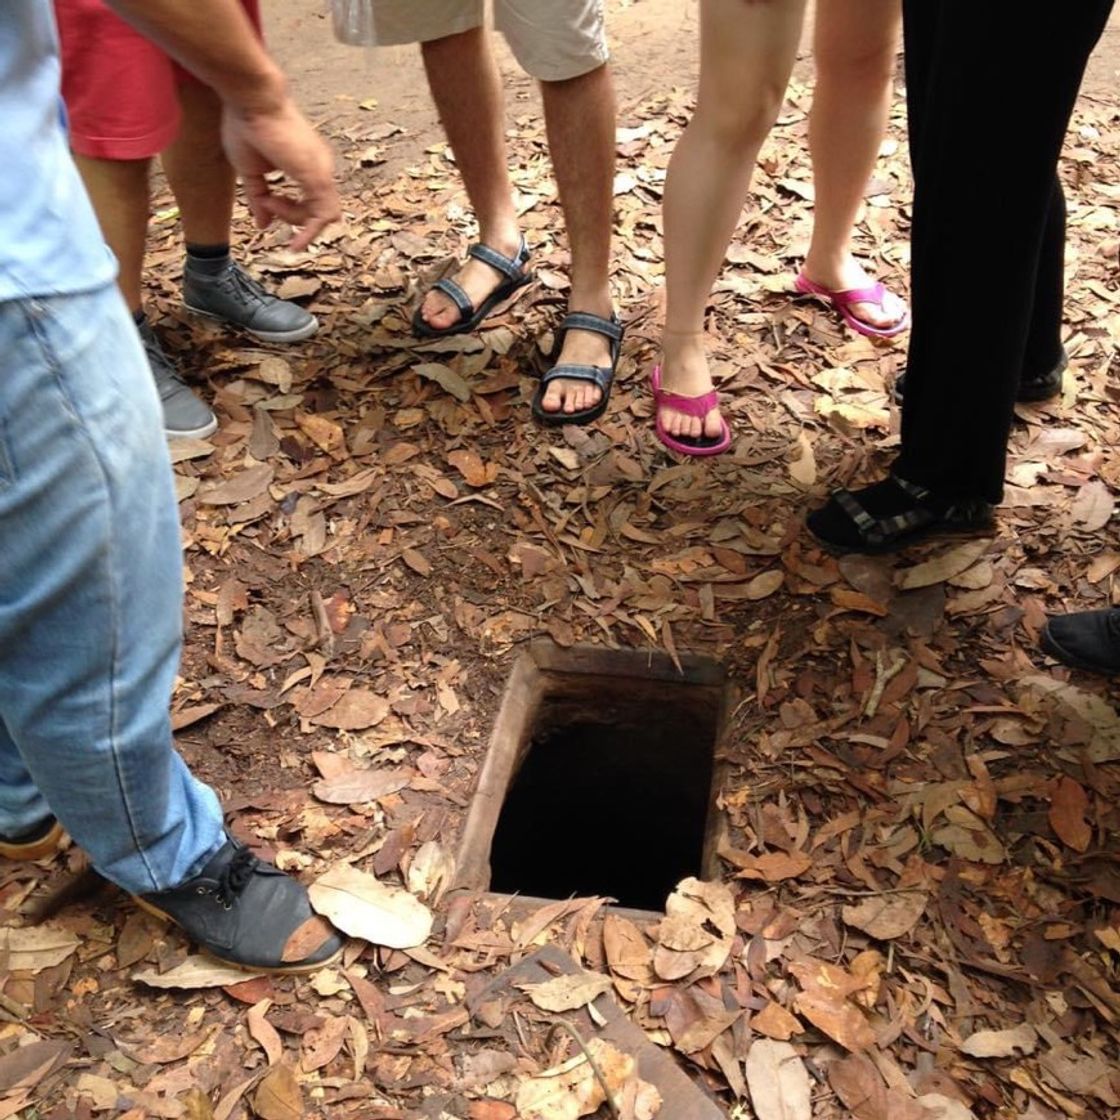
(713, 425)
(553, 399)
(438, 312)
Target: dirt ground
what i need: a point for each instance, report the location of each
(914, 908)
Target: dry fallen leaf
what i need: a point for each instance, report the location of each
(697, 931)
(1069, 805)
(942, 567)
(361, 906)
(1008, 1043)
(566, 993)
(194, 972)
(628, 953)
(773, 867)
(356, 710)
(278, 1095)
(572, 1090)
(887, 916)
(263, 1032)
(33, 948)
(778, 1081)
(776, 1022)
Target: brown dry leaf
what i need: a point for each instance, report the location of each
(275, 370)
(246, 484)
(33, 948)
(1093, 507)
(841, 1020)
(278, 1095)
(352, 786)
(446, 378)
(566, 993)
(764, 585)
(697, 932)
(776, 1022)
(25, 1066)
(1069, 805)
(306, 938)
(356, 710)
(778, 1081)
(417, 561)
(628, 953)
(361, 906)
(321, 1045)
(887, 916)
(773, 867)
(1010, 1043)
(942, 567)
(849, 600)
(572, 1090)
(431, 871)
(469, 464)
(263, 1032)
(194, 972)
(326, 434)
(860, 1087)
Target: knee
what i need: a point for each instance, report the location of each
(740, 125)
(870, 70)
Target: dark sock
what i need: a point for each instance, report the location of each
(35, 832)
(209, 259)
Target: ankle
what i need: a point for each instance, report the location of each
(502, 235)
(823, 264)
(594, 299)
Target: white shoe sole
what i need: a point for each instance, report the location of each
(297, 335)
(194, 433)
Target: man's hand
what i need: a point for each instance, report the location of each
(263, 130)
(280, 139)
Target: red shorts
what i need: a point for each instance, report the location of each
(120, 89)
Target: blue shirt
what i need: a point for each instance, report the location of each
(50, 242)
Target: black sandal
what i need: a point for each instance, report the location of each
(471, 317)
(845, 525)
(601, 376)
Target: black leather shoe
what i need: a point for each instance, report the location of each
(246, 912)
(1087, 640)
(36, 843)
(1032, 390)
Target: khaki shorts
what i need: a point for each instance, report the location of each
(553, 40)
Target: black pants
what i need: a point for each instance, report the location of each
(991, 86)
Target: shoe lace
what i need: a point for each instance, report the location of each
(235, 877)
(168, 379)
(236, 282)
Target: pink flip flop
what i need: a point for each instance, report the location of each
(690, 406)
(842, 302)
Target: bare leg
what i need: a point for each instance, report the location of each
(855, 46)
(467, 91)
(201, 177)
(580, 117)
(119, 192)
(747, 52)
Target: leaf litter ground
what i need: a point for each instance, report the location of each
(920, 914)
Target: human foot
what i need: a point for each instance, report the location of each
(584, 359)
(493, 266)
(587, 348)
(883, 312)
(685, 373)
(249, 914)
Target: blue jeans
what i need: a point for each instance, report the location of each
(91, 597)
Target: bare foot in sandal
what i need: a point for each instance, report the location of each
(685, 372)
(848, 275)
(477, 279)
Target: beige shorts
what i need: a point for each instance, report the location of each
(553, 40)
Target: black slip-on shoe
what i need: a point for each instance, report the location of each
(36, 843)
(1032, 390)
(249, 914)
(1088, 640)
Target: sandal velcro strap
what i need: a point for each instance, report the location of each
(600, 376)
(455, 293)
(513, 268)
(585, 321)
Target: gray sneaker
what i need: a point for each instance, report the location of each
(185, 416)
(233, 296)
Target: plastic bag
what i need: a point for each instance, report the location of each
(354, 22)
